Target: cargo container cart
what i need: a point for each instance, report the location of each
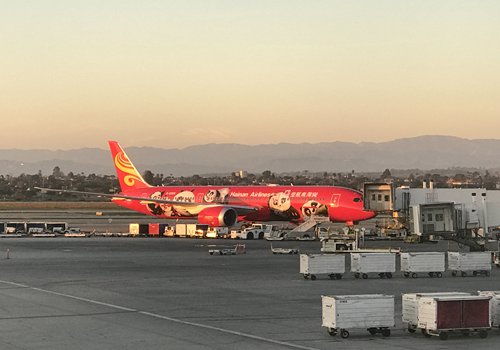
(375, 312)
(439, 316)
(410, 306)
(312, 265)
(238, 249)
(432, 263)
(494, 306)
(382, 263)
(479, 263)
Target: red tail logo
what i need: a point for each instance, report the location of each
(127, 174)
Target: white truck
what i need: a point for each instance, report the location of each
(255, 231)
(374, 312)
(339, 243)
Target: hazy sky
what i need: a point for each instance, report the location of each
(176, 73)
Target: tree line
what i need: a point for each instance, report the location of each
(23, 187)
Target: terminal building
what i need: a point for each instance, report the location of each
(429, 210)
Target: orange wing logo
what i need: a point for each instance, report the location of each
(124, 165)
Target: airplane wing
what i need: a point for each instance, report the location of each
(241, 209)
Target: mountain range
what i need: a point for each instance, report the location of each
(423, 152)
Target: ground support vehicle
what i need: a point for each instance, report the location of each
(255, 231)
(312, 265)
(496, 259)
(432, 263)
(74, 232)
(477, 263)
(364, 263)
(338, 243)
(169, 231)
(494, 306)
(410, 306)
(278, 250)
(439, 316)
(138, 229)
(375, 312)
(238, 249)
(217, 232)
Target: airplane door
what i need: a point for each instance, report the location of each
(439, 223)
(334, 202)
(199, 197)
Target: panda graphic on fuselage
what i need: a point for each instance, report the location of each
(281, 207)
(187, 197)
(315, 208)
(216, 196)
(159, 209)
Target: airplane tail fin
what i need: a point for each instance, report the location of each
(127, 174)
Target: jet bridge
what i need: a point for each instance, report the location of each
(378, 197)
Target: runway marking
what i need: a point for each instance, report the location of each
(171, 319)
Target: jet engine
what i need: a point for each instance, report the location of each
(218, 216)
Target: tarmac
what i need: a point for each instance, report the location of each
(169, 293)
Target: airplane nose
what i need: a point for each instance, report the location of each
(367, 214)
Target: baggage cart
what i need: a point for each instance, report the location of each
(410, 306)
(432, 263)
(364, 263)
(312, 265)
(238, 249)
(439, 316)
(279, 250)
(494, 306)
(477, 263)
(374, 312)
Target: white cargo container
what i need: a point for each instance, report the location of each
(494, 306)
(477, 262)
(410, 306)
(375, 312)
(180, 230)
(432, 263)
(440, 315)
(312, 265)
(382, 263)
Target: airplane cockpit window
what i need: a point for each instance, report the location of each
(357, 199)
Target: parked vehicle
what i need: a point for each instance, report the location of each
(238, 249)
(375, 312)
(279, 250)
(409, 306)
(217, 232)
(255, 231)
(364, 263)
(477, 263)
(312, 265)
(438, 316)
(432, 263)
(494, 306)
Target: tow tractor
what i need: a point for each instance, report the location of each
(238, 249)
(284, 250)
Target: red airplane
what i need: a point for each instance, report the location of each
(227, 205)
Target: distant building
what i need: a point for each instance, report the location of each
(241, 174)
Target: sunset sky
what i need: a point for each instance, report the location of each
(177, 73)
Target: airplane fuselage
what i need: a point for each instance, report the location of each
(271, 203)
